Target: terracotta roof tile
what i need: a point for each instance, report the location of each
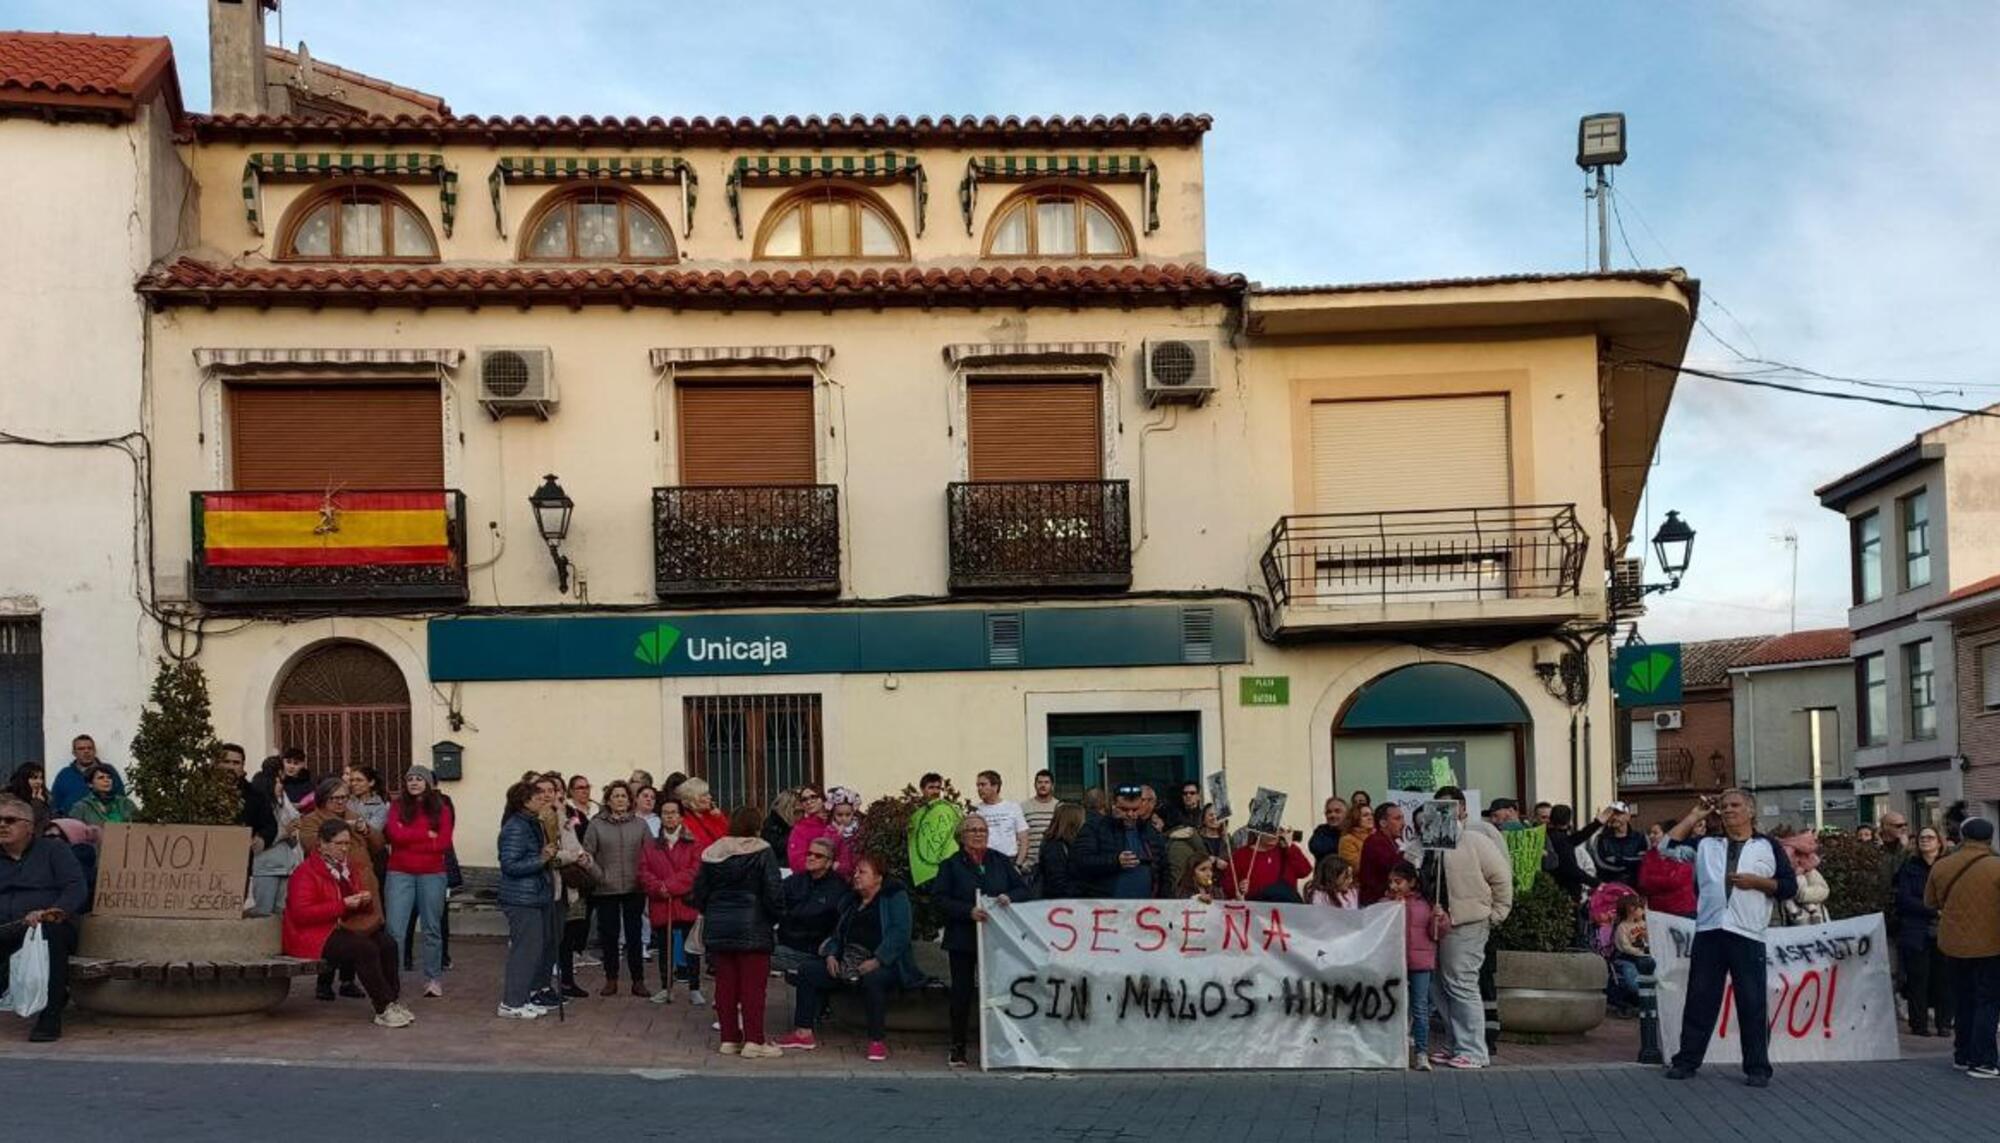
(436, 103)
(1647, 277)
(191, 282)
(1799, 647)
(60, 72)
(1981, 587)
(1707, 663)
(832, 130)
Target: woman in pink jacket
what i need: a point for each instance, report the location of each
(815, 821)
(419, 834)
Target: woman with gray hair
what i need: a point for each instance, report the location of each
(963, 879)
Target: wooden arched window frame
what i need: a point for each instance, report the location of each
(1058, 219)
(596, 224)
(828, 221)
(356, 222)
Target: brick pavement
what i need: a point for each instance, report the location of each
(603, 1034)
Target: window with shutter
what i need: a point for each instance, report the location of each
(1989, 676)
(735, 434)
(322, 436)
(1388, 456)
(1034, 430)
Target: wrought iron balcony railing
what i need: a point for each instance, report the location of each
(1040, 535)
(1432, 555)
(1671, 766)
(748, 540)
(305, 547)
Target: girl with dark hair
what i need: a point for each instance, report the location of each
(364, 796)
(527, 898)
(1333, 884)
(30, 784)
(272, 867)
(1424, 926)
(419, 834)
(736, 890)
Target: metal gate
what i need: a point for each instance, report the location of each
(750, 747)
(20, 692)
(345, 704)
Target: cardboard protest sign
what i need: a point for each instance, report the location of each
(1267, 811)
(1524, 851)
(1218, 794)
(172, 871)
(1145, 984)
(1830, 996)
(1413, 803)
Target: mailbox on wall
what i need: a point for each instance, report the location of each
(447, 761)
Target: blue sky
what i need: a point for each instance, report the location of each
(1826, 169)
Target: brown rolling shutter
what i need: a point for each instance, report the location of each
(1034, 430)
(319, 437)
(1430, 452)
(736, 434)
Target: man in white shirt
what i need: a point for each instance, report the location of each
(1004, 820)
(1737, 877)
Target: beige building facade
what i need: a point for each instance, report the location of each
(888, 446)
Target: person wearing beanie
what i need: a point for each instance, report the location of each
(1964, 888)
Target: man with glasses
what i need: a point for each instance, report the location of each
(812, 908)
(41, 886)
(1121, 855)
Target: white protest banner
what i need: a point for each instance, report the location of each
(1830, 993)
(1149, 984)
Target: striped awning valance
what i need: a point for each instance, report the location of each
(771, 170)
(268, 165)
(572, 168)
(684, 356)
(965, 353)
(1097, 168)
(255, 357)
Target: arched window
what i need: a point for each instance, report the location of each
(358, 222)
(345, 704)
(1058, 221)
(830, 222)
(597, 224)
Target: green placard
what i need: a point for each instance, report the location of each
(1266, 690)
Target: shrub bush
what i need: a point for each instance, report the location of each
(1857, 876)
(1543, 920)
(885, 834)
(174, 778)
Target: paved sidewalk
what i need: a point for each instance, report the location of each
(599, 1034)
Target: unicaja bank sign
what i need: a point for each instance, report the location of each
(656, 647)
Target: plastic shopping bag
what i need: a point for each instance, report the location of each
(28, 976)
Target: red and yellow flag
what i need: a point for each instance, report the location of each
(309, 529)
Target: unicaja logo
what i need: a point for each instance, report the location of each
(1646, 676)
(763, 652)
(654, 646)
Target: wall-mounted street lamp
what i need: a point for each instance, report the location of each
(552, 508)
(1674, 545)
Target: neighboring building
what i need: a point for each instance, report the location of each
(94, 193)
(1923, 522)
(866, 477)
(1678, 751)
(1974, 614)
(1787, 689)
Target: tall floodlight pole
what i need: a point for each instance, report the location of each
(1600, 145)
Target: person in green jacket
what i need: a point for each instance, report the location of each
(103, 804)
(933, 830)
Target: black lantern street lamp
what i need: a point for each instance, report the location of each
(552, 508)
(1674, 544)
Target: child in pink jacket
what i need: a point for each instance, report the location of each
(1423, 928)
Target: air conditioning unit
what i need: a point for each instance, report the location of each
(1182, 371)
(1666, 720)
(517, 379)
(1628, 596)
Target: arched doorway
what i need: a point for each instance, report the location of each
(345, 704)
(1430, 724)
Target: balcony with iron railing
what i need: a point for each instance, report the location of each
(379, 546)
(1048, 535)
(764, 540)
(1510, 566)
(1664, 768)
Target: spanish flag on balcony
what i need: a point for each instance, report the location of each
(312, 529)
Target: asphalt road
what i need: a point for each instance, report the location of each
(48, 1098)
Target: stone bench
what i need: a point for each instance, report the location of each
(85, 969)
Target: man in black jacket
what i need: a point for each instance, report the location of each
(1619, 848)
(1560, 860)
(1121, 855)
(41, 887)
(255, 810)
(812, 908)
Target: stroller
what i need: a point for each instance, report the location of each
(1603, 908)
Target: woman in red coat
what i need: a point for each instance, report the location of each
(667, 867)
(704, 821)
(333, 913)
(1666, 884)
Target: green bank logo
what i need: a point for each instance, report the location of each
(654, 646)
(1648, 673)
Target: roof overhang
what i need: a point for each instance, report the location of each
(1837, 494)
(1952, 608)
(1800, 665)
(1641, 318)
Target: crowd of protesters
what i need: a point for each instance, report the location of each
(733, 899)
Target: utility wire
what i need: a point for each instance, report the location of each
(1763, 383)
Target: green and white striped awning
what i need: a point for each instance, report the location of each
(771, 170)
(266, 165)
(572, 168)
(1095, 168)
